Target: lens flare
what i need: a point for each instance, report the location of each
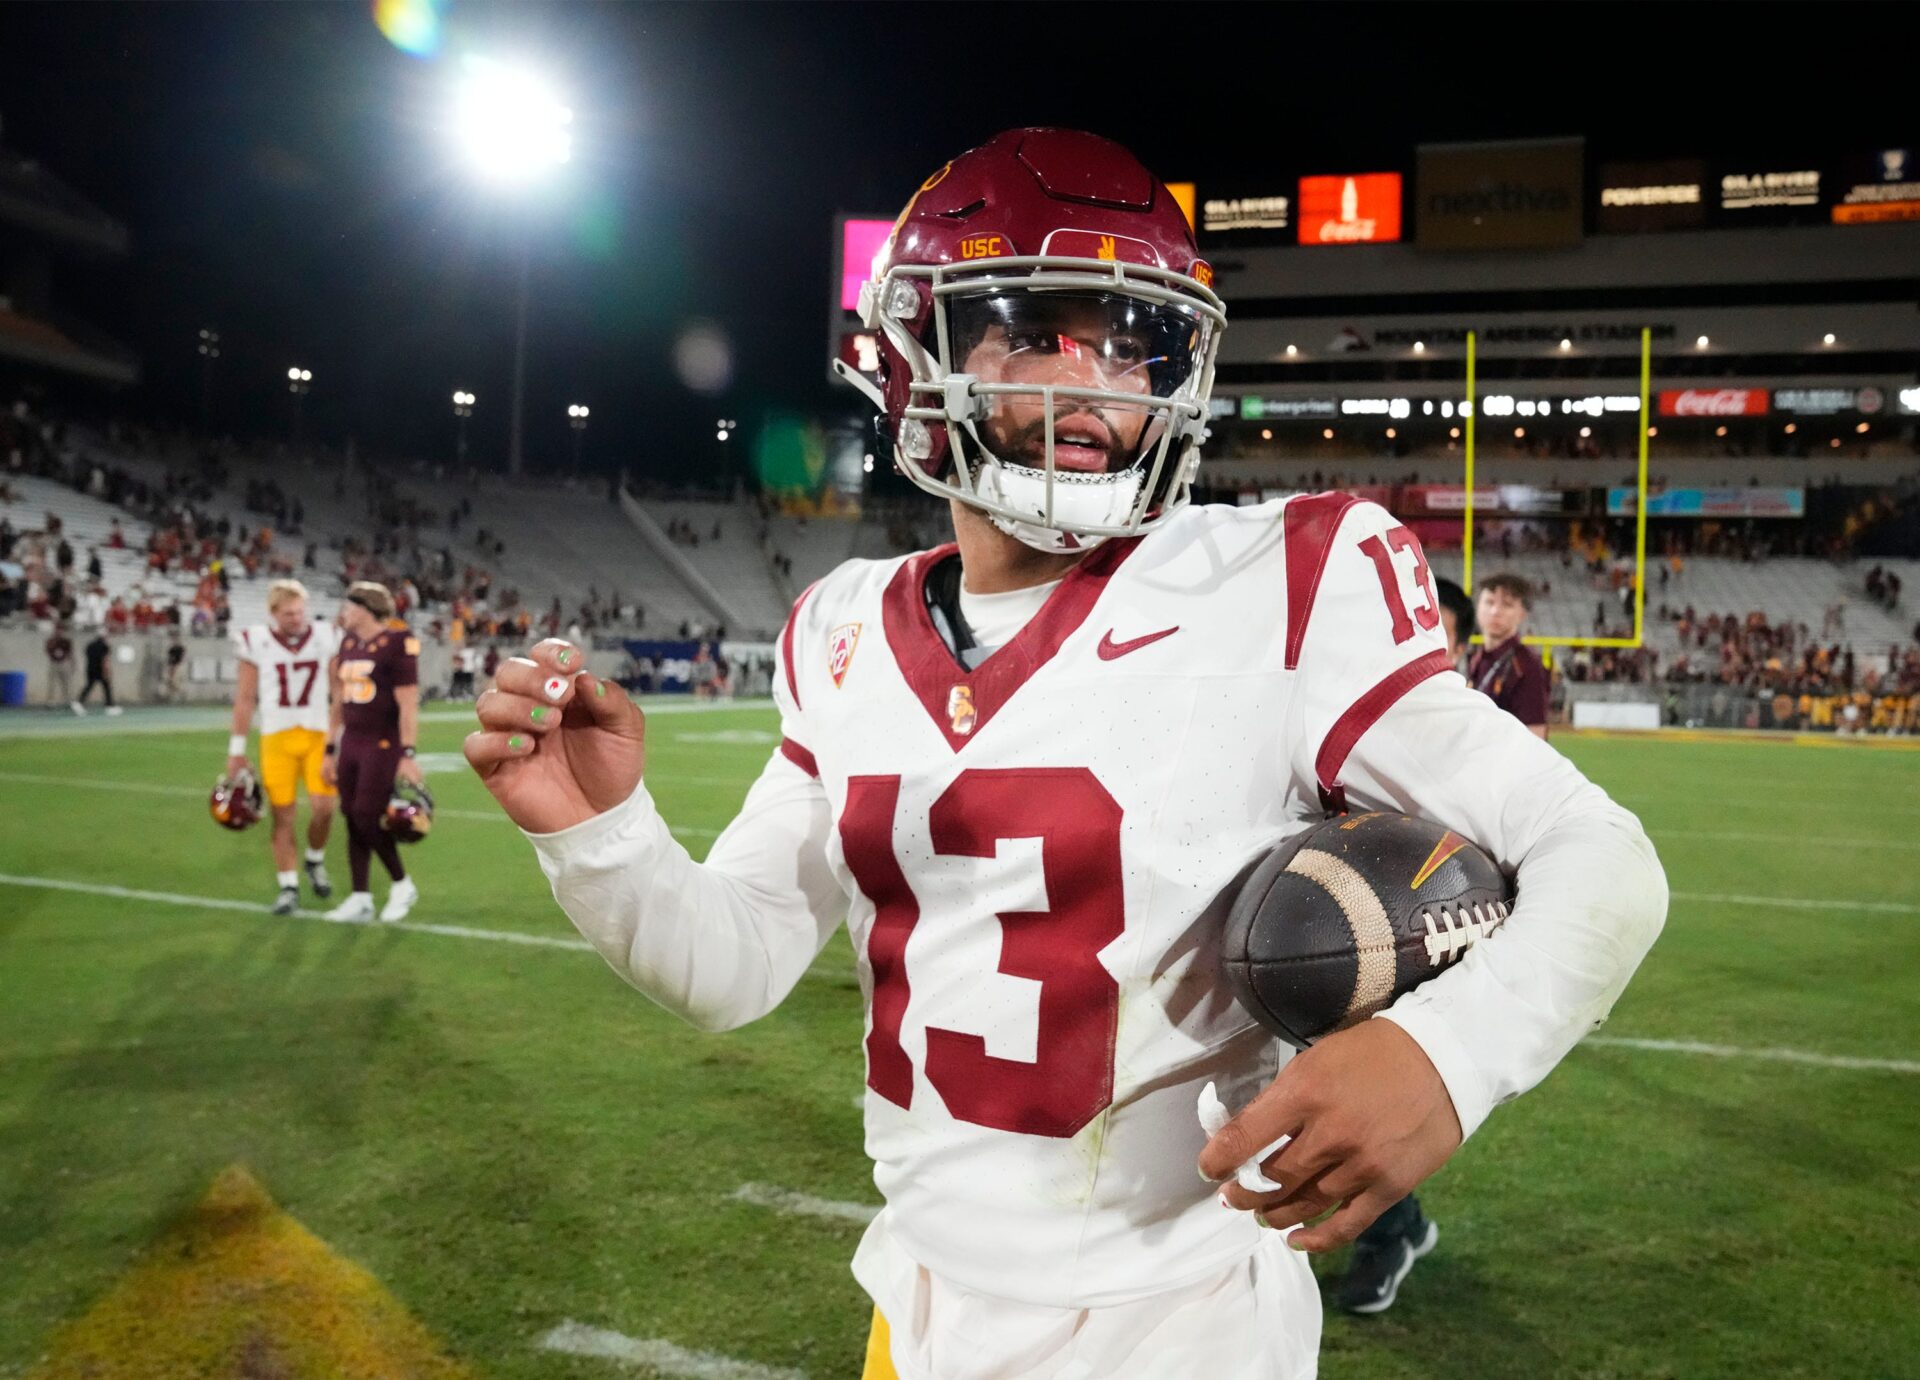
(412, 26)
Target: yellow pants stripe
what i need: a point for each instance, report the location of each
(879, 1352)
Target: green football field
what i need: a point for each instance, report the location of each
(509, 1139)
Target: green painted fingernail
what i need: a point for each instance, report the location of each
(538, 713)
(566, 658)
(515, 743)
(599, 688)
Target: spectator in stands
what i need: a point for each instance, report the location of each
(465, 662)
(93, 609)
(100, 673)
(176, 658)
(59, 649)
(63, 557)
(1505, 669)
(95, 572)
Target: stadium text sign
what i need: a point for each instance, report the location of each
(1824, 402)
(1713, 402)
(1668, 195)
(1219, 215)
(1524, 195)
(1752, 502)
(1356, 208)
(1883, 188)
(1747, 191)
(1258, 409)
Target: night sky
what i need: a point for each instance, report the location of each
(282, 171)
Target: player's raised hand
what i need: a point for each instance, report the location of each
(556, 745)
(1370, 1118)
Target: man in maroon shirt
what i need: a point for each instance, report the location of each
(1505, 669)
(376, 717)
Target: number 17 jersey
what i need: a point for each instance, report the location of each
(1039, 854)
(293, 674)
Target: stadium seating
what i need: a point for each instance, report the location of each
(733, 562)
(86, 522)
(1786, 588)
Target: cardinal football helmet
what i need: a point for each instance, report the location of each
(237, 801)
(409, 813)
(1047, 334)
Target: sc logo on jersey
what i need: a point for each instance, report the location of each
(960, 711)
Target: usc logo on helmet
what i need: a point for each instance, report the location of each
(981, 247)
(1203, 273)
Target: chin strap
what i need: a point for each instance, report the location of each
(861, 384)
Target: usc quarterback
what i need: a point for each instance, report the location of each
(284, 670)
(1027, 769)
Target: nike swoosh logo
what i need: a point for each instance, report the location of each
(1109, 649)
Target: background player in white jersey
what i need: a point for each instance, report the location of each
(284, 669)
(1028, 770)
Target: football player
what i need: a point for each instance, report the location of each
(371, 741)
(284, 666)
(1028, 768)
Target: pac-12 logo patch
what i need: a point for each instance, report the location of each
(840, 644)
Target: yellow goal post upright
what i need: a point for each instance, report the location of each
(1639, 506)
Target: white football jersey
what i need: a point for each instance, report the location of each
(293, 675)
(1039, 854)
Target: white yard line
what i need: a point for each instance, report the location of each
(174, 898)
(209, 717)
(1799, 902)
(1737, 836)
(1784, 1056)
(578, 1339)
(792, 1204)
(156, 788)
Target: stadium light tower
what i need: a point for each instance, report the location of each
(577, 414)
(462, 409)
(299, 384)
(512, 129)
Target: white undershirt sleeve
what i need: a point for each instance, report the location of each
(718, 943)
(1591, 892)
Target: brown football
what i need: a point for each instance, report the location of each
(1342, 918)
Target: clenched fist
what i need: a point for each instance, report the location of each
(556, 745)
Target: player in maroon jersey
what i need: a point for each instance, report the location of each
(375, 724)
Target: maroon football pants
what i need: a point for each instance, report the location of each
(367, 768)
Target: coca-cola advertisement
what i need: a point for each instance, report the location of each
(1713, 402)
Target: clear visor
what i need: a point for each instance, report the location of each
(1092, 352)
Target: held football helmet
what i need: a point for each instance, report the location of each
(409, 813)
(1047, 334)
(237, 801)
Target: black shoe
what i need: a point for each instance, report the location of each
(288, 902)
(317, 878)
(1373, 1278)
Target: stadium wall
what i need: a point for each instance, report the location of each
(139, 667)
